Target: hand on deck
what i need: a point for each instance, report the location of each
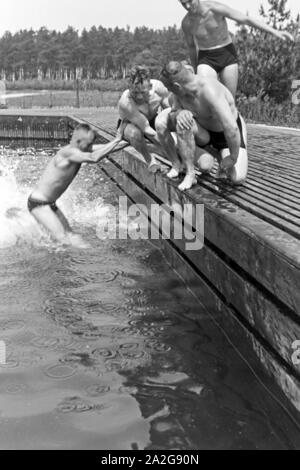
(227, 164)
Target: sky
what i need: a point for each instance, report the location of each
(58, 14)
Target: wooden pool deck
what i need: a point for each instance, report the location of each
(248, 272)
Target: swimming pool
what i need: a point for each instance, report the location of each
(106, 349)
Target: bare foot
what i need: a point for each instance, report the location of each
(221, 175)
(173, 173)
(76, 241)
(188, 182)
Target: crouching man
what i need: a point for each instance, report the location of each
(138, 110)
(203, 113)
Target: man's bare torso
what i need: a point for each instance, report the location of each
(209, 30)
(196, 102)
(57, 177)
(150, 109)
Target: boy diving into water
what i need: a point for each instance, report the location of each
(59, 174)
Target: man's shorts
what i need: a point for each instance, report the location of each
(218, 139)
(219, 58)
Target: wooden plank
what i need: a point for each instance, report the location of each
(220, 311)
(266, 212)
(271, 320)
(269, 190)
(269, 255)
(262, 313)
(289, 171)
(224, 318)
(257, 181)
(278, 173)
(267, 200)
(259, 154)
(280, 182)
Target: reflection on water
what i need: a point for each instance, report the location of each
(106, 349)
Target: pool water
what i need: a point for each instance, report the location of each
(106, 349)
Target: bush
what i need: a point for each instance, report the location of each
(268, 111)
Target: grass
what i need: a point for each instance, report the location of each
(64, 99)
(70, 85)
(268, 112)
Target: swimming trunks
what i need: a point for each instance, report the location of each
(34, 203)
(219, 58)
(219, 141)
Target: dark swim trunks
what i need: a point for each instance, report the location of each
(218, 139)
(34, 203)
(219, 58)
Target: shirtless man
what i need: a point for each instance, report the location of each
(203, 113)
(59, 174)
(138, 108)
(211, 50)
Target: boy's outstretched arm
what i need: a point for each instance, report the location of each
(101, 151)
(76, 156)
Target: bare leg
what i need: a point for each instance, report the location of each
(205, 71)
(58, 227)
(63, 220)
(45, 216)
(230, 77)
(187, 141)
(187, 148)
(137, 140)
(238, 174)
(167, 142)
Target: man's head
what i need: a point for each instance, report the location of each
(176, 76)
(190, 5)
(83, 137)
(140, 84)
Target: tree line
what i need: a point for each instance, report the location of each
(267, 65)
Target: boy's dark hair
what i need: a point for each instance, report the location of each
(138, 74)
(85, 127)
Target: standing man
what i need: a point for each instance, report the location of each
(138, 109)
(203, 113)
(211, 50)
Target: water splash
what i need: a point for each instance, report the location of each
(17, 226)
(15, 221)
